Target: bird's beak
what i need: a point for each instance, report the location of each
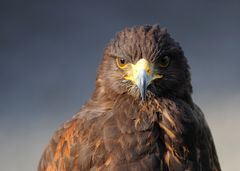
(142, 74)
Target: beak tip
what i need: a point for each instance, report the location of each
(143, 99)
(143, 94)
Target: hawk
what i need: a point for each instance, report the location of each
(141, 115)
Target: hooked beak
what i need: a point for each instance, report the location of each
(142, 74)
(142, 81)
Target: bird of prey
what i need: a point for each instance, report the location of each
(141, 116)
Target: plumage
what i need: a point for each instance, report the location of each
(141, 115)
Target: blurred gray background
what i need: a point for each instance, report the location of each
(50, 51)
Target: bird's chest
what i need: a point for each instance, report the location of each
(146, 138)
(133, 141)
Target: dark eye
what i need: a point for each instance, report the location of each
(164, 61)
(121, 63)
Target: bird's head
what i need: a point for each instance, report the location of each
(144, 60)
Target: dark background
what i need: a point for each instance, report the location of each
(50, 51)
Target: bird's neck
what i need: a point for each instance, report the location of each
(105, 99)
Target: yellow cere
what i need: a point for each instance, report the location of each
(135, 69)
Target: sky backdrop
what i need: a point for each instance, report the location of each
(50, 51)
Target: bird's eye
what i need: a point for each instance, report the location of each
(164, 61)
(121, 63)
